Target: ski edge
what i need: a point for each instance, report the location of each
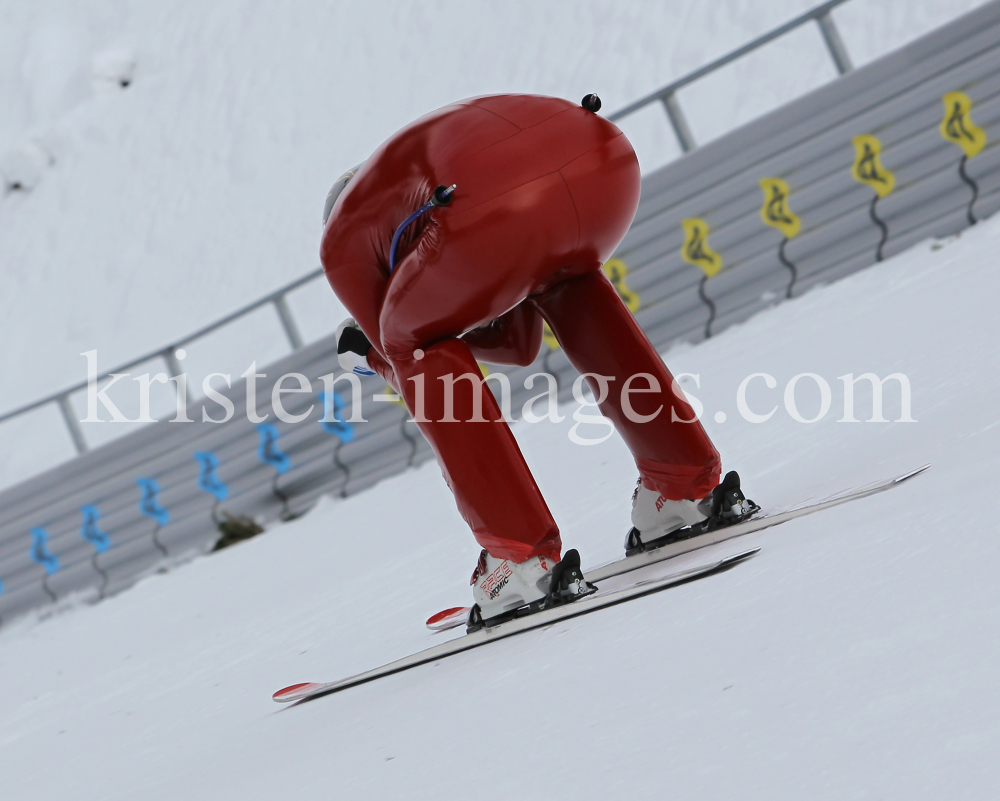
(307, 691)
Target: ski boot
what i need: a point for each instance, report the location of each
(504, 590)
(658, 521)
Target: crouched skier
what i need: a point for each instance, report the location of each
(451, 244)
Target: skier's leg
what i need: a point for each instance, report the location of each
(470, 268)
(675, 459)
(479, 457)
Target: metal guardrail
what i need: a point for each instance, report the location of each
(860, 169)
(169, 355)
(667, 96)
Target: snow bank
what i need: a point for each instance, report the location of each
(851, 659)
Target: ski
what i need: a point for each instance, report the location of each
(758, 523)
(608, 574)
(457, 616)
(602, 599)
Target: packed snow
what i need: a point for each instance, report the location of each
(173, 157)
(852, 658)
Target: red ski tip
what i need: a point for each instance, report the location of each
(448, 619)
(294, 692)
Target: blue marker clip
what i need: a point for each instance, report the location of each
(40, 551)
(337, 427)
(148, 504)
(91, 532)
(268, 451)
(208, 478)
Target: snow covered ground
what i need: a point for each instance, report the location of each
(161, 206)
(854, 657)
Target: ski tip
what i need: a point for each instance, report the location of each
(294, 692)
(448, 619)
(736, 558)
(913, 473)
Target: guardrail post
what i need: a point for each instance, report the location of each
(288, 322)
(75, 432)
(834, 43)
(678, 121)
(174, 369)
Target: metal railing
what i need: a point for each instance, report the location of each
(170, 357)
(667, 96)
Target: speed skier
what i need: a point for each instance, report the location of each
(451, 244)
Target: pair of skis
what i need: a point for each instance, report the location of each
(617, 589)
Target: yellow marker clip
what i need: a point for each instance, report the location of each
(616, 270)
(549, 338)
(868, 167)
(775, 211)
(695, 249)
(958, 127)
(390, 392)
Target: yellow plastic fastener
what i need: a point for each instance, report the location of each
(695, 249)
(616, 270)
(775, 211)
(957, 126)
(868, 167)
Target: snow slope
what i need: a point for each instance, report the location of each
(854, 657)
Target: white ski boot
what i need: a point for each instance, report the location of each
(501, 586)
(655, 516)
(657, 519)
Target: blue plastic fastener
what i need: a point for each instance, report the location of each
(269, 452)
(208, 477)
(91, 532)
(148, 503)
(331, 421)
(40, 551)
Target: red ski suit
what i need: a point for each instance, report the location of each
(546, 191)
